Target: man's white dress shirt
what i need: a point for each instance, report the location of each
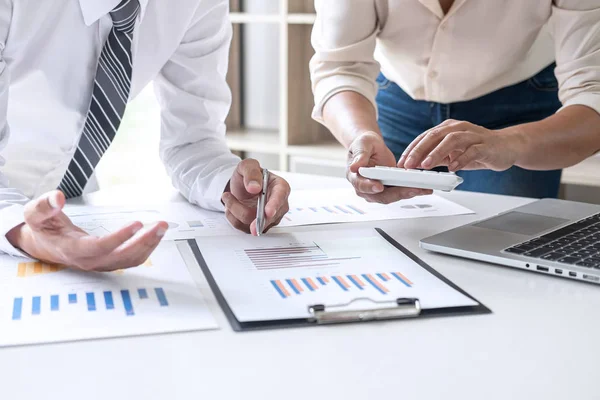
(478, 47)
(49, 52)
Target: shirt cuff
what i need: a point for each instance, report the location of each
(211, 197)
(591, 100)
(332, 85)
(11, 217)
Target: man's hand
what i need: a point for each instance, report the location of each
(241, 197)
(461, 145)
(48, 235)
(369, 150)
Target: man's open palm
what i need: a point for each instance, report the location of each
(49, 235)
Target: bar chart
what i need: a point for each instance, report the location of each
(92, 301)
(293, 256)
(383, 283)
(34, 268)
(325, 206)
(27, 269)
(348, 209)
(43, 303)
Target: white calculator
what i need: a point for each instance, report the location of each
(413, 178)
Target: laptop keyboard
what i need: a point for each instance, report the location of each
(575, 244)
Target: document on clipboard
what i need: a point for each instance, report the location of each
(324, 277)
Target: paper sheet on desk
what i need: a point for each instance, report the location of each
(41, 303)
(312, 207)
(186, 221)
(279, 276)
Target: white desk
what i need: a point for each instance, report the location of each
(541, 342)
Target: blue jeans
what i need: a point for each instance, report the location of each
(402, 119)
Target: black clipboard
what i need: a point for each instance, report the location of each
(404, 307)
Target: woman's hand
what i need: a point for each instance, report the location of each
(461, 145)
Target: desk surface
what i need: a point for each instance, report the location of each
(540, 341)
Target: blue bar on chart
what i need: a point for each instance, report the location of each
(142, 293)
(402, 279)
(108, 300)
(321, 281)
(371, 280)
(358, 210)
(54, 302)
(314, 209)
(279, 289)
(17, 308)
(339, 282)
(356, 281)
(91, 301)
(36, 305)
(293, 286)
(72, 298)
(162, 297)
(127, 302)
(329, 210)
(382, 277)
(308, 284)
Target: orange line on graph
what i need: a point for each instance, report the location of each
(282, 288)
(295, 283)
(312, 283)
(386, 276)
(405, 278)
(358, 280)
(346, 285)
(376, 282)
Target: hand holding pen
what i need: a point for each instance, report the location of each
(243, 194)
(262, 201)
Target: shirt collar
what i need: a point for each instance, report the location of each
(93, 10)
(435, 7)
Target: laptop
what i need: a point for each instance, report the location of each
(554, 237)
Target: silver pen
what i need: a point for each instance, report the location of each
(262, 201)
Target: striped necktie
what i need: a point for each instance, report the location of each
(109, 98)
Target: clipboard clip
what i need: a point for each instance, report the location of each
(365, 311)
